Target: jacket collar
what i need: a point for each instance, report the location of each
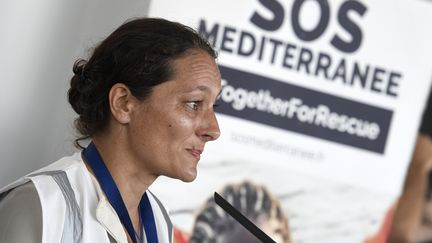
(107, 216)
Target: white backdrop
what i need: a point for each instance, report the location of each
(40, 40)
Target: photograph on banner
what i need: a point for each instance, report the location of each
(320, 104)
(316, 210)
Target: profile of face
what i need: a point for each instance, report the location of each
(168, 130)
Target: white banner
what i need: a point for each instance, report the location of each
(319, 98)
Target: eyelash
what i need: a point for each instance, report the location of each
(194, 105)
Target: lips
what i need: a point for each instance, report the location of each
(195, 152)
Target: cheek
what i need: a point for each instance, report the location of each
(181, 126)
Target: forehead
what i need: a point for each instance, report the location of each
(197, 70)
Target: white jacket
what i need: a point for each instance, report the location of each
(74, 208)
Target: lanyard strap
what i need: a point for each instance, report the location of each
(94, 160)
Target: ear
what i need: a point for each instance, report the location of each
(121, 101)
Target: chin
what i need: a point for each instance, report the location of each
(188, 177)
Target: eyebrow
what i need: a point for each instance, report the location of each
(203, 88)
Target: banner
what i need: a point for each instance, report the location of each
(320, 106)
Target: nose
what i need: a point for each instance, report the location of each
(210, 127)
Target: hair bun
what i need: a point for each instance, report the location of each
(79, 68)
(80, 92)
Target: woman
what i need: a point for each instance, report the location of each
(145, 99)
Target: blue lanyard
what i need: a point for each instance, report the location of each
(94, 160)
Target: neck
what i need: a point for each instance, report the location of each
(131, 179)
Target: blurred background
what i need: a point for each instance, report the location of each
(39, 42)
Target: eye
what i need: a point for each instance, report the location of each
(194, 105)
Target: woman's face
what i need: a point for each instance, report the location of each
(169, 129)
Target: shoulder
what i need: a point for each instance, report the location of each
(63, 164)
(60, 179)
(62, 189)
(21, 215)
(49, 185)
(65, 193)
(64, 176)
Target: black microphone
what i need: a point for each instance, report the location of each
(251, 227)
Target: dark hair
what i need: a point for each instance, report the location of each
(139, 54)
(212, 224)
